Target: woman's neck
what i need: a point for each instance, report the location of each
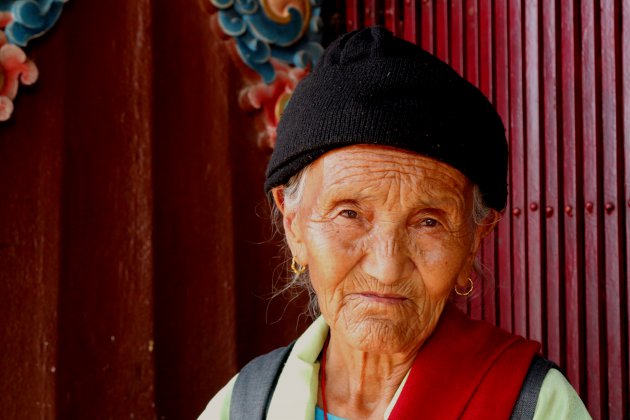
(361, 384)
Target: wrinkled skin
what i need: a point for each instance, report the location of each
(386, 235)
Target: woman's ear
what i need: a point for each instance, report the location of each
(292, 229)
(481, 231)
(278, 198)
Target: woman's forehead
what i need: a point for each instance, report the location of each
(369, 165)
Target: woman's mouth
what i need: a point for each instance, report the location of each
(388, 298)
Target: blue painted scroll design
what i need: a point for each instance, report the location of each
(30, 18)
(284, 30)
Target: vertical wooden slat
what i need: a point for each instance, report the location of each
(572, 196)
(592, 209)
(410, 21)
(485, 84)
(31, 150)
(392, 17)
(370, 11)
(517, 162)
(194, 281)
(441, 30)
(534, 153)
(426, 16)
(471, 41)
(352, 15)
(106, 366)
(486, 31)
(616, 345)
(552, 210)
(502, 103)
(625, 65)
(457, 36)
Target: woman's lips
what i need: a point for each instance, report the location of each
(389, 298)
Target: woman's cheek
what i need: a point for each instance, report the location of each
(333, 240)
(333, 252)
(439, 265)
(433, 255)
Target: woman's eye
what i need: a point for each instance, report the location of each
(350, 214)
(428, 222)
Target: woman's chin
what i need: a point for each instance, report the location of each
(380, 335)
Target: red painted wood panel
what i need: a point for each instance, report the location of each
(353, 13)
(557, 73)
(616, 347)
(105, 320)
(502, 103)
(427, 37)
(517, 166)
(572, 197)
(533, 168)
(370, 11)
(471, 42)
(90, 328)
(411, 21)
(193, 235)
(551, 210)
(593, 268)
(624, 49)
(393, 13)
(441, 30)
(457, 37)
(30, 232)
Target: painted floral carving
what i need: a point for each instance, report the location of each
(284, 30)
(278, 41)
(271, 99)
(14, 67)
(21, 21)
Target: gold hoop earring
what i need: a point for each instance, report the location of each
(467, 292)
(296, 267)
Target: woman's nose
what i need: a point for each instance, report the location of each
(388, 258)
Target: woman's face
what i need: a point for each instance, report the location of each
(386, 235)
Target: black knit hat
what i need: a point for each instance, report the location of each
(370, 87)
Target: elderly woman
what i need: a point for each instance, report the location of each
(389, 169)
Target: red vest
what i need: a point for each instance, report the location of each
(466, 369)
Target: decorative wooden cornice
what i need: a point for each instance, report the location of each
(20, 22)
(279, 41)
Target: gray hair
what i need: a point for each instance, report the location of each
(293, 192)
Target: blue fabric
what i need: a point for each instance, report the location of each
(319, 415)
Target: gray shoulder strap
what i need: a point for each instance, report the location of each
(528, 397)
(255, 384)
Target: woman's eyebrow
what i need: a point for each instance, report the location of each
(338, 193)
(330, 202)
(443, 202)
